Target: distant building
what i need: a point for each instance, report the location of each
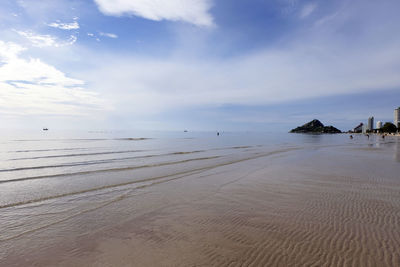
(378, 125)
(370, 125)
(359, 128)
(397, 117)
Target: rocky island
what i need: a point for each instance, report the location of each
(315, 126)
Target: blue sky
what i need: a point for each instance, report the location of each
(265, 65)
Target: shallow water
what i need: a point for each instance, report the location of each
(61, 184)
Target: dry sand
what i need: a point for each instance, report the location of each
(309, 208)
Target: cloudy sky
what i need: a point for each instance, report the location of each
(197, 64)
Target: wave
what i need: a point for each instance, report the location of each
(105, 170)
(52, 149)
(78, 155)
(184, 173)
(84, 139)
(110, 186)
(93, 162)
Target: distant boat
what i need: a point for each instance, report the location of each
(185, 131)
(45, 129)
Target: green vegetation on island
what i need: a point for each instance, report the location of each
(388, 127)
(315, 126)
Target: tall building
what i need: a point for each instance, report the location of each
(378, 125)
(370, 125)
(397, 117)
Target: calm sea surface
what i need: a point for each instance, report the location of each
(50, 177)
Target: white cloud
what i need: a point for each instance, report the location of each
(110, 35)
(191, 11)
(319, 64)
(346, 50)
(9, 51)
(288, 6)
(39, 40)
(65, 26)
(307, 10)
(45, 40)
(30, 86)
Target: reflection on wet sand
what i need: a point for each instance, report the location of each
(325, 201)
(397, 150)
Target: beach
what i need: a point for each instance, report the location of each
(302, 201)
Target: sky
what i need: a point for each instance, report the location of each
(203, 65)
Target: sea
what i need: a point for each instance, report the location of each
(48, 178)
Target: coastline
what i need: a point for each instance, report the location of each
(314, 205)
(379, 134)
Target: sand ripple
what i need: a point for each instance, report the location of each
(266, 211)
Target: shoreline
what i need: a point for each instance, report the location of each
(380, 134)
(317, 205)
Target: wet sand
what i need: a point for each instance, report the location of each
(306, 207)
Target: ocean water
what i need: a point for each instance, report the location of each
(49, 178)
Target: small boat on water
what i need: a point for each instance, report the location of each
(45, 129)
